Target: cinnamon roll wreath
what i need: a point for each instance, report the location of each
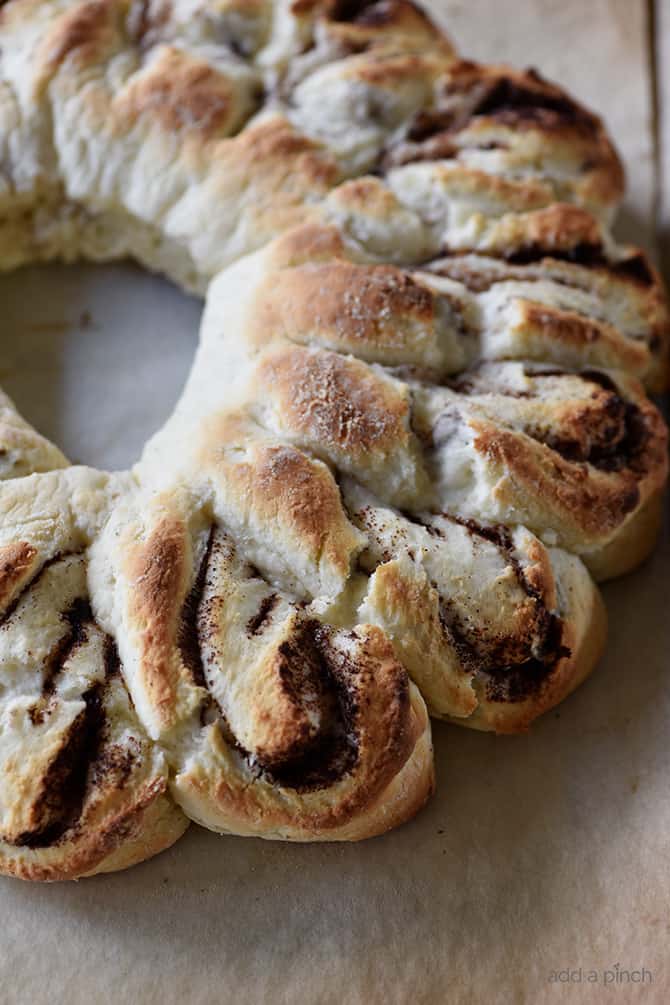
(415, 431)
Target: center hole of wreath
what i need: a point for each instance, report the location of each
(95, 356)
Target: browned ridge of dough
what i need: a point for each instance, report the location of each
(90, 797)
(17, 563)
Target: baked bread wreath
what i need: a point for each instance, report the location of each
(415, 430)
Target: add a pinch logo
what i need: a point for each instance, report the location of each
(615, 975)
(576, 976)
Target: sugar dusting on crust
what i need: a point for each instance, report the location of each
(336, 400)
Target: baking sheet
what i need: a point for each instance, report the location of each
(541, 857)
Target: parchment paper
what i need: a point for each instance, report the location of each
(539, 854)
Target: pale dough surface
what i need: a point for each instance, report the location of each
(538, 853)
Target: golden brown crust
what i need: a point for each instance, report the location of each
(158, 572)
(275, 484)
(489, 623)
(497, 106)
(392, 741)
(381, 25)
(18, 562)
(127, 838)
(597, 508)
(412, 605)
(539, 575)
(270, 147)
(82, 789)
(584, 637)
(507, 147)
(345, 307)
(627, 326)
(309, 244)
(386, 731)
(534, 307)
(576, 455)
(555, 229)
(84, 33)
(529, 197)
(596, 500)
(634, 544)
(337, 402)
(182, 94)
(281, 724)
(570, 329)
